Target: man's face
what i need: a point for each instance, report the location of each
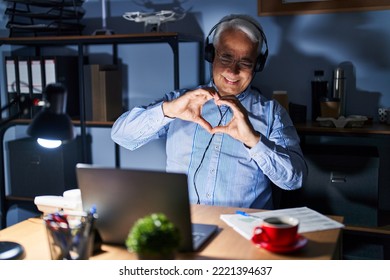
(235, 57)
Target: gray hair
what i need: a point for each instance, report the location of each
(244, 23)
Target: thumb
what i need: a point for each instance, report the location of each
(219, 129)
(203, 123)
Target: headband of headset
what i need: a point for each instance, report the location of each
(209, 52)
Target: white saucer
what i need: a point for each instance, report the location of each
(298, 244)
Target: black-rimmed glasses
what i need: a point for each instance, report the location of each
(228, 60)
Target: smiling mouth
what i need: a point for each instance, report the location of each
(230, 81)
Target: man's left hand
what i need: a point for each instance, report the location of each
(239, 126)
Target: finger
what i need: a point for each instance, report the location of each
(229, 97)
(202, 95)
(219, 129)
(210, 91)
(216, 96)
(232, 103)
(203, 123)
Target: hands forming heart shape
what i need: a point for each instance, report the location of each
(189, 107)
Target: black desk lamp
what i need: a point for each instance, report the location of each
(51, 126)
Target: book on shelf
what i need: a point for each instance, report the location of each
(103, 92)
(11, 74)
(36, 75)
(18, 76)
(24, 81)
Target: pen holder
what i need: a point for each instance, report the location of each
(70, 236)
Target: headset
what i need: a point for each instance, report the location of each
(209, 52)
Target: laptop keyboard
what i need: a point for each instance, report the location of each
(201, 233)
(196, 236)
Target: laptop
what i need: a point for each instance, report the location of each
(122, 196)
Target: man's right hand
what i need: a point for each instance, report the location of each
(189, 106)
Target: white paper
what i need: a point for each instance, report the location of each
(309, 220)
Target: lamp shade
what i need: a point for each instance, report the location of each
(52, 122)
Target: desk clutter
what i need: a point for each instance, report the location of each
(384, 115)
(300, 219)
(70, 236)
(227, 244)
(11, 251)
(42, 17)
(249, 225)
(71, 231)
(324, 103)
(340, 122)
(70, 201)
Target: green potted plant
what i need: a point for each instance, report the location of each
(153, 237)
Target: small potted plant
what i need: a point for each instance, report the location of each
(153, 237)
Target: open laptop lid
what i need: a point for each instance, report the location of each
(122, 196)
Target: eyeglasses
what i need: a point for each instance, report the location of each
(228, 60)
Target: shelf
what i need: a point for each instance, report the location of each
(134, 38)
(173, 39)
(55, 17)
(48, 3)
(75, 123)
(313, 128)
(52, 14)
(53, 26)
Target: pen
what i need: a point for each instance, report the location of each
(243, 213)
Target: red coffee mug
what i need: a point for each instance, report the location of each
(277, 231)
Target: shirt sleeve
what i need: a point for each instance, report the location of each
(279, 155)
(143, 124)
(139, 126)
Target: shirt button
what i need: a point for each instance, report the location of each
(217, 147)
(208, 195)
(212, 171)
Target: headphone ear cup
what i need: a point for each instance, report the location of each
(262, 58)
(260, 63)
(209, 53)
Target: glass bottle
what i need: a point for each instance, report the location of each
(319, 90)
(339, 88)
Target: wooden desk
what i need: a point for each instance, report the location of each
(227, 244)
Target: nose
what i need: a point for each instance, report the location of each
(234, 67)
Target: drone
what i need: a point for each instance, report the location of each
(155, 18)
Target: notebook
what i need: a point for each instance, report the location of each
(122, 196)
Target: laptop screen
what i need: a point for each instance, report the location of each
(122, 196)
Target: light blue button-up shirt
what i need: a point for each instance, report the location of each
(221, 170)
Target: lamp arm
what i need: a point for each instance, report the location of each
(12, 102)
(25, 103)
(9, 119)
